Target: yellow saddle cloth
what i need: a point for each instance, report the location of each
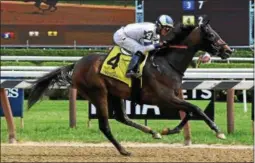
(116, 65)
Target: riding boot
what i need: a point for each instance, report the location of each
(134, 65)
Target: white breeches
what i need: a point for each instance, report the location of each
(127, 43)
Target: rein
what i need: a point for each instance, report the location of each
(153, 62)
(178, 46)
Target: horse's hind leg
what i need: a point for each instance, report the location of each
(121, 116)
(100, 100)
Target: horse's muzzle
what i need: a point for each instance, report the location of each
(228, 50)
(226, 54)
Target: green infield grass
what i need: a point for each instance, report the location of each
(48, 121)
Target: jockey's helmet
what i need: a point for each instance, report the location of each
(164, 21)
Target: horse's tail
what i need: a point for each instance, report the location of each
(60, 76)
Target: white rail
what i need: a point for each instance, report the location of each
(74, 46)
(189, 70)
(187, 84)
(72, 59)
(193, 74)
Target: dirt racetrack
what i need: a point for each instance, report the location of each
(79, 152)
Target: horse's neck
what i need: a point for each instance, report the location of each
(193, 39)
(180, 59)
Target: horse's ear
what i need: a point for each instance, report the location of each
(206, 19)
(207, 22)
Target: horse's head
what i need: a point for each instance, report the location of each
(194, 38)
(212, 43)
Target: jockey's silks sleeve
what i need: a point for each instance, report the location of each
(143, 33)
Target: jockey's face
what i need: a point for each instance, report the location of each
(165, 30)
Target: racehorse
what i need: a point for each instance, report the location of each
(51, 3)
(160, 83)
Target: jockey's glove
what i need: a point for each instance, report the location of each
(157, 45)
(165, 43)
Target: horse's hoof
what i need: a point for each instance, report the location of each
(187, 142)
(221, 136)
(156, 136)
(165, 131)
(125, 153)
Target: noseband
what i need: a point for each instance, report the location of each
(219, 46)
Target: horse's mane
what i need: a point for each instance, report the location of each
(180, 32)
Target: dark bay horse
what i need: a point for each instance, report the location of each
(159, 87)
(50, 3)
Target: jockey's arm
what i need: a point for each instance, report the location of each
(152, 44)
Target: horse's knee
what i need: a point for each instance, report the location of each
(123, 119)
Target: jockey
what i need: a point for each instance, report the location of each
(139, 38)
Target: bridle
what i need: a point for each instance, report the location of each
(218, 46)
(217, 43)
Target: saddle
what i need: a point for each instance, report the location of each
(115, 66)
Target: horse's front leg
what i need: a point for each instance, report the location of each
(190, 109)
(184, 121)
(178, 128)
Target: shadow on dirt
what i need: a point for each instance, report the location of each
(35, 13)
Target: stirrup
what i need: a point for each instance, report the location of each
(131, 73)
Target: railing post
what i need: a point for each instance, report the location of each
(72, 107)
(244, 100)
(74, 44)
(27, 43)
(252, 112)
(230, 111)
(8, 115)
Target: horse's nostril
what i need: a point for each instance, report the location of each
(229, 51)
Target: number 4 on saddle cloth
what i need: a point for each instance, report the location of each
(116, 65)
